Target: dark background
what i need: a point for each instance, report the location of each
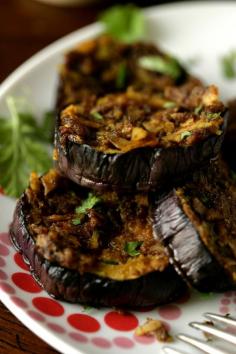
(27, 26)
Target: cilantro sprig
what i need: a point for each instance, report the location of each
(87, 204)
(133, 248)
(124, 22)
(228, 64)
(22, 148)
(163, 65)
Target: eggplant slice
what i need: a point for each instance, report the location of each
(92, 248)
(229, 143)
(104, 65)
(197, 224)
(136, 141)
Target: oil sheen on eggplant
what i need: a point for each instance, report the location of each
(197, 224)
(136, 141)
(104, 256)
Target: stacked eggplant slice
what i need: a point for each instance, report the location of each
(106, 227)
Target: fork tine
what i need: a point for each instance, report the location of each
(169, 350)
(205, 347)
(227, 320)
(214, 331)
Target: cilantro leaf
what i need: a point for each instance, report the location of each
(169, 104)
(163, 65)
(228, 64)
(87, 204)
(96, 115)
(184, 135)
(132, 248)
(124, 22)
(21, 150)
(121, 76)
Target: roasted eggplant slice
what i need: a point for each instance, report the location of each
(92, 248)
(137, 141)
(229, 143)
(104, 65)
(197, 224)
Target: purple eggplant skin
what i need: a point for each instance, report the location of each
(141, 169)
(187, 253)
(152, 289)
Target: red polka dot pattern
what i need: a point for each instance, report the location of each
(78, 337)
(48, 306)
(169, 312)
(2, 262)
(19, 302)
(84, 323)
(7, 288)
(225, 301)
(1, 190)
(20, 262)
(36, 316)
(3, 275)
(5, 238)
(26, 282)
(224, 310)
(101, 342)
(4, 251)
(56, 328)
(120, 321)
(123, 342)
(145, 339)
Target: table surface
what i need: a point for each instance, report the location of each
(26, 27)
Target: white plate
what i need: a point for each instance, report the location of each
(188, 30)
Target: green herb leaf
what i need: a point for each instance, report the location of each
(212, 116)
(125, 23)
(87, 308)
(163, 65)
(184, 135)
(109, 261)
(22, 150)
(87, 204)
(169, 104)
(228, 63)
(132, 248)
(121, 76)
(198, 109)
(96, 115)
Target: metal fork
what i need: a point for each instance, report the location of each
(208, 329)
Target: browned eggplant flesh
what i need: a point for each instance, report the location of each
(85, 234)
(197, 223)
(104, 65)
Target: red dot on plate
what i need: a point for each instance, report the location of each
(123, 342)
(224, 310)
(26, 282)
(56, 328)
(2, 262)
(1, 190)
(120, 321)
(78, 337)
(84, 323)
(169, 312)
(36, 316)
(101, 342)
(20, 262)
(225, 301)
(19, 302)
(48, 306)
(4, 251)
(3, 275)
(5, 238)
(145, 339)
(7, 288)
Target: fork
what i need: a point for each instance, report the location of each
(209, 329)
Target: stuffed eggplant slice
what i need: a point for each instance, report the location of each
(92, 248)
(104, 65)
(197, 224)
(137, 141)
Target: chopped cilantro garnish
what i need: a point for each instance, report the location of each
(109, 261)
(87, 204)
(96, 115)
(132, 248)
(169, 104)
(124, 22)
(228, 63)
(121, 76)
(163, 65)
(212, 116)
(185, 134)
(198, 109)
